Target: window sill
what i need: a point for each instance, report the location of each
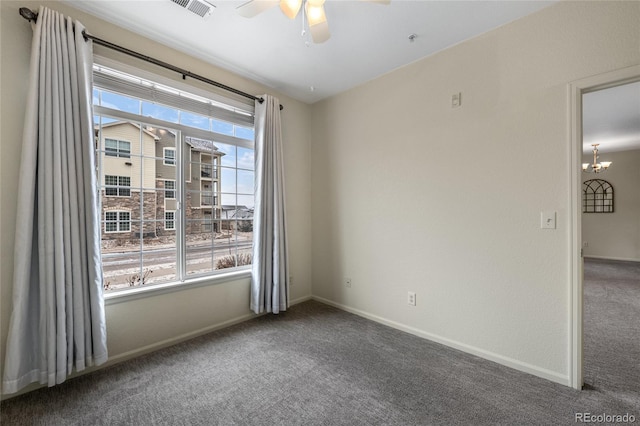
(155, 290)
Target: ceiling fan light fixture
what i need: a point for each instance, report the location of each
(316, 19)
(315, 14)
(290, 7)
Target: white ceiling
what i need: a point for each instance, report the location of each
(367, 39)
(611, 117)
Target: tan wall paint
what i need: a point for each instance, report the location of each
(616, 235)
(117, 165)
(412, 195)
(134, 325)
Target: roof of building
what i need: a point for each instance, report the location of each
(120, 123)
(236, 212)
(203, 145)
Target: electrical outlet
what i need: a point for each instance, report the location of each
(585, 244)
(347, 282)
(290, 280)
(411, 298)
(456, 100)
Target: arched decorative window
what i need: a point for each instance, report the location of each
(597, 196)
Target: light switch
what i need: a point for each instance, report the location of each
(548, 220)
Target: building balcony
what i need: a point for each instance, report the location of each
(209, 200)
(208, 172)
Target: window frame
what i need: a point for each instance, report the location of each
(173, 220)
(170, 190)
(118, 187)
(183, 176)
(173, 160)
(118, 221)
(118, 153)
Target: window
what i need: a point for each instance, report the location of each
(184, 210)
(117, 221)
(117, 186)
(169, 156)
(169, 220)
(170, 189)
(117, 148)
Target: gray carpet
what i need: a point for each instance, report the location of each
(329, 367)
(612, 329)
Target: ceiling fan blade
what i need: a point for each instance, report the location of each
(254, 7)
(290, 7)
(378, 1)
(320, 32)
(317, 20)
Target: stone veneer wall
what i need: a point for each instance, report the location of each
(153, 214)
(132, 205)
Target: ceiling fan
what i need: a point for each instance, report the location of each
(313, 11)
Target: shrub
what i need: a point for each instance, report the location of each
(230, 261)
(137, 279)
(245, 225)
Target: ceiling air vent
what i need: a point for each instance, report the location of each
(199, 7)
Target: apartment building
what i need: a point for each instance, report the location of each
(138, 167)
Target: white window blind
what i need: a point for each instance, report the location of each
(123, 83)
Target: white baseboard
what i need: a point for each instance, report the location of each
(300, 300)
(509, 362)
(619, 259)
(134, 353)
(191, 335)
(142, 351)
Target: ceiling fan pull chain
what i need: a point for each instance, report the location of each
(304, 32)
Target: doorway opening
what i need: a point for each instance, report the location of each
(579, 91)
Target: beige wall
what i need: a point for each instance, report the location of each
(412, 195)
(167, 171)
(117, 165)
(141, 324)
(616, 235)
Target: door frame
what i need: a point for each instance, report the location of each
(576, 89)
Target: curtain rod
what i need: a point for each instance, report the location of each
(30, 15)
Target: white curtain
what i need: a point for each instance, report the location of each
(270, 270)
(57, 323)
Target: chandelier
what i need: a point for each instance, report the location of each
(595, 167)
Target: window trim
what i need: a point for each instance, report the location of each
(118, 153)
(164, 156)
(113, 297)
(182, 281)
(173, 212)
(118, 221)
(174, 189)
(118, 186)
